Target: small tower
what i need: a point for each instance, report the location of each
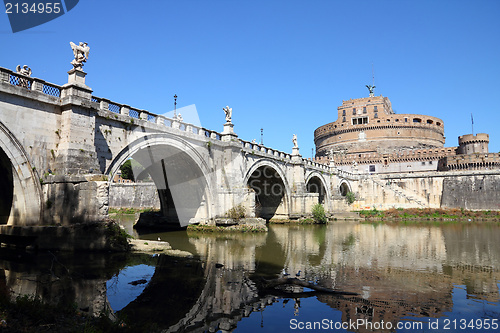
(470, 144)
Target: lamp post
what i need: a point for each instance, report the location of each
(175, 106)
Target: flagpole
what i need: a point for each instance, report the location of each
(472, 123)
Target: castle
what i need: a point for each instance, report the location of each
(370, 138)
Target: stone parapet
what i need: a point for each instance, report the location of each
(397, 157)
(470, 162)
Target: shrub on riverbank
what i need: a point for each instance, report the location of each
(319, 215)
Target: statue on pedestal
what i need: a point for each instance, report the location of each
(229, 113)
(294, 140)
(81, 53)
(26, 71)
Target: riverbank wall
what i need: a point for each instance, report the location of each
(133, 195)
(468, 189)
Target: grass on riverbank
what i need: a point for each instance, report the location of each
(233, 228)
(455, 214)
(121, 211)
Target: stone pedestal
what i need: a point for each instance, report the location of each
(76, 77)
(228, 128)
(228, 132)
(295, 151)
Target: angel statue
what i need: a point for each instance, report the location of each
(81, 53)
(25, 71)
(229, 113)
(294, 140)
(370, 89)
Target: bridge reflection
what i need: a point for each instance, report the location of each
(398, 272)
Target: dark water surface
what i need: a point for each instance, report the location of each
(424, 278)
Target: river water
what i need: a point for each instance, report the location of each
(408, 278)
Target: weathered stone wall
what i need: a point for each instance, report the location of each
(74, 199)
(133, 195)
(405, 191)
(472, 192)
(476, 190)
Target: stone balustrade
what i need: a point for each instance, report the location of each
(107, 105)
(253, 146)
(30, 83)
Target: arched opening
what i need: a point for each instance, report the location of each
(178, 173)
(7, 186)
(344, 189)
(270, 192)
(315, 185)
(21, 201)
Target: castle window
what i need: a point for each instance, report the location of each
(429, 121)
(375, 108)
(417, 120)
(343, 112)
(353, 111)
(343, 119)
(423, 163)
(376, 115)
(438, 123)
(372, 168)
(364, 109)
(359, 121)
(406, 120)
(396, 120)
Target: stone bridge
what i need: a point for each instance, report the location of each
(61, 147)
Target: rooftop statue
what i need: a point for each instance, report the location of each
(81, 53)
(370, 88)
(229, 113)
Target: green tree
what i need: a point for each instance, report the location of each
(126, 170)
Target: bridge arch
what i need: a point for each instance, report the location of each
(21, 202)
(316, 183)
(344, 187)
(180, 171)
(272, 191)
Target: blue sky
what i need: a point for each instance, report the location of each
(283, 66)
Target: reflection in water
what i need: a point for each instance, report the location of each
(415, 273)
(60, 279)
(124, 287)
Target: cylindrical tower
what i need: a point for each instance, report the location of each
(367, 125)
(470, 143)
